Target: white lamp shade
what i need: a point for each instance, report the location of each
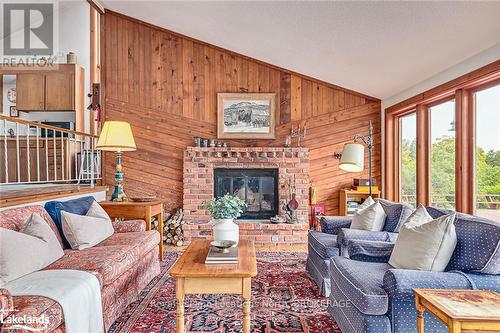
(116, 136)
(353, 157)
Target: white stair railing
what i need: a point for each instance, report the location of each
(38, 153)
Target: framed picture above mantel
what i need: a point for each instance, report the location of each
(246, 116)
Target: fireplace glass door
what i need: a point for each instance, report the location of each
(257, 187)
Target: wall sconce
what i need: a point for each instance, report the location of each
(337, 156)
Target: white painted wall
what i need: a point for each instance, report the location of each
(74, 36)
(479, 60)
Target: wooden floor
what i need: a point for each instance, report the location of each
(271, 248)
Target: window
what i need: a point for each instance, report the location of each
(442, 155)
(487, 153)
(408, 158)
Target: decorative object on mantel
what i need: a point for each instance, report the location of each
(353, 155)
(288, 141)
(173, 228)
(196, 141)
(224, 210)
(246, 116)
(299, 133)
(117, 136)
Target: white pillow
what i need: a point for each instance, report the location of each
(425, 243)
(85, 231)
(96, 210)
(370, 216)
(27, 251)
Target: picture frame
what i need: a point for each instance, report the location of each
(13, 111)
(246, 115)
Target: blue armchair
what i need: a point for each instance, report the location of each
(335, 236)
(380, 298)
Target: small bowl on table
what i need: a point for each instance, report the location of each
(223, 245)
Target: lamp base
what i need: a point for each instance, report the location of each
(118, 194)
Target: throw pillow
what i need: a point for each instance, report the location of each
(27, 251)
(425, 243)
(78, 206)
(85, 231)
(96, 210)
(369, 217)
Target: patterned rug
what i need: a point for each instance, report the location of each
(284, 300)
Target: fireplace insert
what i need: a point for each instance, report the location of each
(257, 187)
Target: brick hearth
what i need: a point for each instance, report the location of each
(199, 164)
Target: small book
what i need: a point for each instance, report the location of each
(215, 256)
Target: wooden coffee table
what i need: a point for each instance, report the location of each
(193, 276)
(460, 310)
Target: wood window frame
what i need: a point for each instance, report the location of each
(462, 90)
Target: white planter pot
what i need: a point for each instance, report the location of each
(225, 229)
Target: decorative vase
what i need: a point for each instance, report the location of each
(225, 229)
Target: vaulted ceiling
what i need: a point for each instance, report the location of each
(377, 48)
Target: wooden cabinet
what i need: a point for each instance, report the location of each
(30, 89)
(60, 91)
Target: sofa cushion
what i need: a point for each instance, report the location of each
(112, 257)
(83, 232)
(17, 218)
(78, 206)
(396, 213)
(478, 243)
(324, 244)
(361, 282)
(425, 243)
(371, 218)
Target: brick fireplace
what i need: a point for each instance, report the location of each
(199, 185)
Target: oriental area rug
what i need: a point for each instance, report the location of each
(284, 300)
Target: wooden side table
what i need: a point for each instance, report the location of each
(138, 210)
(460, 310)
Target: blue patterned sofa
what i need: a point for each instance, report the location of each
(335, 236)
(374, 297)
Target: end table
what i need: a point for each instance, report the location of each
(459, 310)
(138, 210)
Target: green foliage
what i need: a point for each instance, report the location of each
(226, 207)
(443, 172)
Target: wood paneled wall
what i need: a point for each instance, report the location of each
(166, 86)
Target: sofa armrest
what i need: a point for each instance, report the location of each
(345, 235)
(129, 226)
(332, 224)
(6, 303)
(399, 283)
(366, 250)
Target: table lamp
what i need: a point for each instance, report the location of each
(117, 136)
(353, 155)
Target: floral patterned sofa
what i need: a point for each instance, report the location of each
(124, 264)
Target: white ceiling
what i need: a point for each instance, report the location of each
(377, 48)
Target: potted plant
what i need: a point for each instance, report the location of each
(224, 210)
